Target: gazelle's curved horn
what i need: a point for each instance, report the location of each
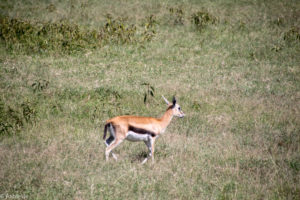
(167, 102)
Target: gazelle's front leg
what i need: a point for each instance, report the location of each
(150, 145)
(152, 148)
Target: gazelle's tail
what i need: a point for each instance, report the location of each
(105, 130)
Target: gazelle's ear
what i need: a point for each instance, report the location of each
(174, 100)
(167, 102)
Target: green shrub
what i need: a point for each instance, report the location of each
(12, 120)
(202, 18)
(39, 85)
(149, 29)
(292, 35)
(177, 15)
(37, 37)
(62, 37)
(116, 30)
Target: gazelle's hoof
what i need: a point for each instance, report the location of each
(114, 156)
(144, 161)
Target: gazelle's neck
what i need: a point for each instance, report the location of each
(166, 118)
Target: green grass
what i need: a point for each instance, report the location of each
(234, 70)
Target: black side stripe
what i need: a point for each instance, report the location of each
(141, 131)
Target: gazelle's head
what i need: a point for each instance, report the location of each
(176, 109)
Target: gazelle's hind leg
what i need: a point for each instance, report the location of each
(111, 140)
(108, 142)
(109, 148)
(117, 140)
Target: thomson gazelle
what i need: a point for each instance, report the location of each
(135, 128)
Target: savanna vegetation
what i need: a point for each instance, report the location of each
(67, 66)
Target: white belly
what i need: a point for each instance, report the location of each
(134, 137)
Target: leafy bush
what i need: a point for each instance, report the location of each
(62, 37)
(116, 30)
(45, 37)
(177, 15)
(13, 120)
(10, 120)
(292, 35)
(40, 85)
(202, 18)
(149, 29)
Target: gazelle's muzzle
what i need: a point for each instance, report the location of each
(181, 115)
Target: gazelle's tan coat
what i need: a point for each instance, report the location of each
(135, 128)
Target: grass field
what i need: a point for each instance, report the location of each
(67, 66)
